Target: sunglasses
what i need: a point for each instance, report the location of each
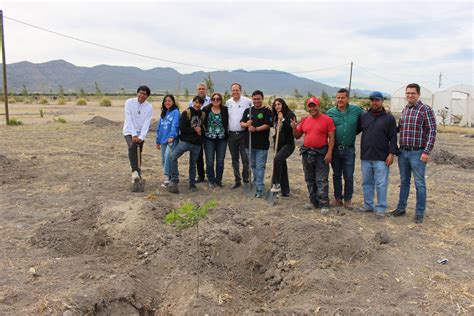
(216, 99)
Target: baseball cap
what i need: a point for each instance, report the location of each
(376, 95)
(313, 100)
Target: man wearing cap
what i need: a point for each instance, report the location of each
(378, 146)
(201, 90)
(345, 117)
(417, 127)
(318, 130)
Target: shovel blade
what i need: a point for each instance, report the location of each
(270, 197)
(250, 189)
(138, 185)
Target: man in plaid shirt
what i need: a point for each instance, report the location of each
(417, 137)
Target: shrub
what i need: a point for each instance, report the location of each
(41, 112)
(11, 100)
(43, 100)
(60, 120)
(61, 101)
(27, 100)
(19, 98)
(188, 214)
(105, 102)
(293, 105)
(81, 101)
(14, 121)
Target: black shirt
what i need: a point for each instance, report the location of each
(261, 116)
(286, 131)
(379, 135)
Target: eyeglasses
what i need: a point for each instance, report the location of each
(216, 99)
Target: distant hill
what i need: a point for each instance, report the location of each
(46, 77)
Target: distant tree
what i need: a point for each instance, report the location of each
(167, 92)
(297, 94)
(209, 84)
(186, 93)
(82, 94)
(24, 92)
(122, 90)
(98, 92)
(309, 95)
(226, 96)
(326, 101)
(61, 92)
(270, 100)
(245, 93)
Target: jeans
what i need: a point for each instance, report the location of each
(215, 150)
(408, 162)
(178, 151)
(258, 159)
(375, 177)
(237, 147)
(165, 158)
(280, 168)
(132, 153)
(316, 173)
(200, 164)
(343, 162)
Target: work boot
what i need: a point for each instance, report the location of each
(348, 205)
(418, 219)
(173, 188)
(192, 188)
(336, 202)
(397, 212)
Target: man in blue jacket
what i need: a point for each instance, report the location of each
(378, 146)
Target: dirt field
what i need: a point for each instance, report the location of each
(75, 240)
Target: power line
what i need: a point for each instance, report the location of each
(162, 59)
(373, 74)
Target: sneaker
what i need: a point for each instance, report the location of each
(324, 211)
(192, 188)
(418, 219)
(397, 212)
(379, 215)
(275, 188)
(135, 176)
(348, 205)
(259, 194)
(236, 185)
(336, 202)
(165, 183)
(211, 185)
(308, 206)
(173, 188)
(364, 210)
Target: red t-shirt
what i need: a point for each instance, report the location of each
(316, 130)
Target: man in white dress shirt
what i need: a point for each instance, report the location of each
(138, 114)
(236, 106)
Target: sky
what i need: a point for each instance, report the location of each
(390, 43)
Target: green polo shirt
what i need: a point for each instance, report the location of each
(346, 123)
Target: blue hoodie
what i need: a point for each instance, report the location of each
(168, 127)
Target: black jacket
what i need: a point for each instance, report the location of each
(187, 124)
(224, 115)
(286, 131)
(379, 135)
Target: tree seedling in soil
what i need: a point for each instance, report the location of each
(188, 215)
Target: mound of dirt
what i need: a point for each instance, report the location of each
(101, 121)
(4, 161)
(444, 157)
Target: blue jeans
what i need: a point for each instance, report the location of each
(343, 163)
(258, 161)
(375, 177)
(408, 162)
(215, 151)
(165, 158)
(177, 152)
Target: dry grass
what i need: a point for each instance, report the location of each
(455, 129)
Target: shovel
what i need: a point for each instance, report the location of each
(250, 188)
(270, 196)
(139, 184)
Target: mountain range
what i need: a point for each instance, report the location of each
(48, 76)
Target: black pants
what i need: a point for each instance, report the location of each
(132, 153)
(316, 173)
(237, 147)
(200, 164)
(280, 168)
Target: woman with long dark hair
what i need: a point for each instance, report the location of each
(216, 124)
(167, 133)
(282, 117)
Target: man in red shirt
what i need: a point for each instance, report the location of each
(318, 130)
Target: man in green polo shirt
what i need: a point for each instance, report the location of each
(345, 117)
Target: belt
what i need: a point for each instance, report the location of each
(236, 133)
(342, 147)
(411, 148)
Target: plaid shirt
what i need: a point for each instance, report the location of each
(418, 127)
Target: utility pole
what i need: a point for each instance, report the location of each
(4, 66)
(350, 79)
(439, 80)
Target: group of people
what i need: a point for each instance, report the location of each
(209, 125)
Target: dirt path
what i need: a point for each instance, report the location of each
(74, 238)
